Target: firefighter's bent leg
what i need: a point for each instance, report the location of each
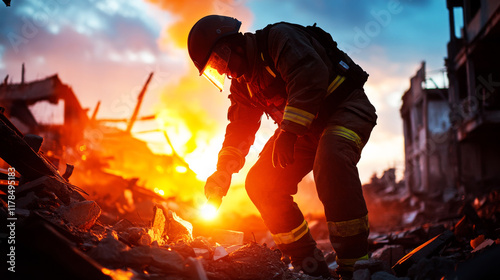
(339, 188)
(271, 190)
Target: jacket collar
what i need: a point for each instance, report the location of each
(251, 56)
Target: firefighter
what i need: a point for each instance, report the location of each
(314, 92)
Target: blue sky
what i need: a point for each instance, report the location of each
(105, 50)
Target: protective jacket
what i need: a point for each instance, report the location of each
(305, 93)
(305, 90)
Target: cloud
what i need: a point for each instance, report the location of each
(103, 49)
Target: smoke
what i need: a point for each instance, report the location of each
(187, 13)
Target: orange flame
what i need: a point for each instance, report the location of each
(188, 14)
(118, 274)
(189, 119)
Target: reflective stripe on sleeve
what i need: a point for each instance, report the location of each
(345, 133)
(291, 236)
(232, 151)
(298, 116)
(348, 228)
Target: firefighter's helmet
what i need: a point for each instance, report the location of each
(209, 57)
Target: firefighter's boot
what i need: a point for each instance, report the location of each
(305, 256)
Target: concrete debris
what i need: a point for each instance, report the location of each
(144, 236)
(81, 214)
(201, 242)
(409, 218)
(481, 243)
(156, 232)
(122, 225)
(389, 254)
(202, 252)
(145, 239)
(109, 250)
(167, 261)
(227, 237)
(159, 222)
(219, 253)
(179, 229)
(133, 234)
(185, 249)
(233, 248)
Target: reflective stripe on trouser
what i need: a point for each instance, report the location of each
(345, 133)
(348, 264)
(348, 236)
(291, 236)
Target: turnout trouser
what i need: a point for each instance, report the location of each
(332, 154)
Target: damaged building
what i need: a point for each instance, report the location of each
(474, 92)
(429, 157)
(452, 134)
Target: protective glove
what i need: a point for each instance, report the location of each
(217, 184)
(283, 149)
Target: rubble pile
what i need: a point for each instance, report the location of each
(62, 235)
(60, 240)
(432, 239)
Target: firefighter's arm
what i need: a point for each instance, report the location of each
(305, 73)
(244, 121)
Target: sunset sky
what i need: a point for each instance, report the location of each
(106, 49)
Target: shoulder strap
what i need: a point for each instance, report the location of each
(262, 37)
(344, 63)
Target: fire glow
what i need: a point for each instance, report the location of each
(190, 140)
(208, 211)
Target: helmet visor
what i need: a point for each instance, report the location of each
(215, 69)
